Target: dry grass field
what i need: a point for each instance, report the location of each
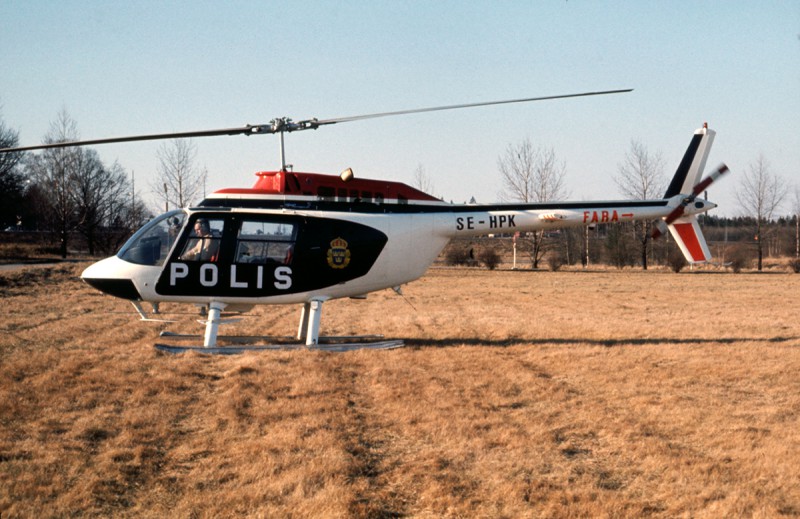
(520, 394)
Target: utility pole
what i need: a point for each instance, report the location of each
(586, 246)
(133, 218)
(514, 241)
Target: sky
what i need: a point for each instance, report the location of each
(141, 67)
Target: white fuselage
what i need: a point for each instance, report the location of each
(415, 239)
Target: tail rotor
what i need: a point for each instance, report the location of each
(662, 226)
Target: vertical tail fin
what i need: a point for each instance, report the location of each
(694, 162)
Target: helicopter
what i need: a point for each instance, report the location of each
(307, 238)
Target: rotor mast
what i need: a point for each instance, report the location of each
(283, 153)
(281, 125)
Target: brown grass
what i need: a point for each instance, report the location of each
(16, 247)
(521, 394)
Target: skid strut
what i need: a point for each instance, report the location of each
(309, 322)
(212, 324)
(301, 330)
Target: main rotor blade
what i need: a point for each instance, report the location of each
(152, 137)
(467, 105)
(285, 124)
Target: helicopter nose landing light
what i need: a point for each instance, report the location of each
(108, 276)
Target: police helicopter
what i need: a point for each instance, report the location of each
(307, 238)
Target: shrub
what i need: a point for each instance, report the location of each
(555, 261)
(676, 260)
(457, 256)
(739, 258)
(490, 258)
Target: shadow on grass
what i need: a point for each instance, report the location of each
(609, 343)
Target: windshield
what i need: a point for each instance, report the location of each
(151, 244)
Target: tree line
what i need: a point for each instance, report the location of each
(731, 241)
(65, 191)
(534, 174)
(69, 193)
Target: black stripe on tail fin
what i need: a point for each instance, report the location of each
(683, 169)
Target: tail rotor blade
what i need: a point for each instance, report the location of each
(676, 213)
(659, 230)
(710, 179)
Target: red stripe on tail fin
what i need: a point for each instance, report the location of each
(690, 240)
(686, 232)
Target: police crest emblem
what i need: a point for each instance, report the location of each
(338, 254)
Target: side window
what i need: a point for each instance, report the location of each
(203, 245)
(326, 193)
(265, 242)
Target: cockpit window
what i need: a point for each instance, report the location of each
(151, 244)
(265, 242)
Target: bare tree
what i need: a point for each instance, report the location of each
(53, 171)
(641, 177)
(796, 211)
(12, 181)
(77, 192)
(532, 175)
(136, 213)
(8, 139)
(180, 181)
(101, 195)
(422, 180)
(760, 194)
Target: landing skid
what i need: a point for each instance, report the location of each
(336, 347)
(277, 338)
